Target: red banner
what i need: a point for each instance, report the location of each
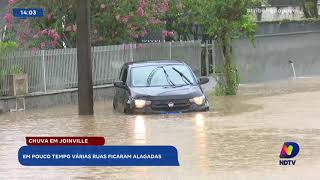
(65, 141)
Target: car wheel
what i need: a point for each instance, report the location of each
(127, 110)
(114, 105)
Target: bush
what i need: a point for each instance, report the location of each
(6, 47)
(221, 88)
(14, 69)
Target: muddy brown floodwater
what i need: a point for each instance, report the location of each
(240, 138)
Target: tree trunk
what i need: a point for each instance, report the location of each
(315, 8)
(310, 8)
(230, 82)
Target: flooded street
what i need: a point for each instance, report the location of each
(239, 138)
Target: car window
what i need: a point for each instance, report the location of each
(161, 76)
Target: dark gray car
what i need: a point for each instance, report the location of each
(159, 87)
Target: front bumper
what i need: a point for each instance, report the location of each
(149, 110)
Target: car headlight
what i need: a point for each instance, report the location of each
(140, 103)
(198, 100)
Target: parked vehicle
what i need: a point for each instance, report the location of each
(159, 87)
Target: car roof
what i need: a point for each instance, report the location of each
(152, 62)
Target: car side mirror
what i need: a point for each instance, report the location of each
(119, 84)
(203, 80)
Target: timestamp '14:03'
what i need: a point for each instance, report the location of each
(27, 12)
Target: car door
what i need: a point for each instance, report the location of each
(122, 96)
(117, 95)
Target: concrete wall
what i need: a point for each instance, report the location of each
(268, 59)
(103, 93)
(265, 28)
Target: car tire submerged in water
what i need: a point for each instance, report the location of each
(114, 106)
(127, 110)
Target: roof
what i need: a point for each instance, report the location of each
(152, 62)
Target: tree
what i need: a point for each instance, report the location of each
(178, 21)
(222, 20)
(310, 8)
(112, 22)
(181, 19)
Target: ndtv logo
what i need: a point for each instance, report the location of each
(289, 150)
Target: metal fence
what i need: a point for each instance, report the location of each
(56, 69)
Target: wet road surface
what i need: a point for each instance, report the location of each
(240, 138)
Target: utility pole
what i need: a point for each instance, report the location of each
(85, 89)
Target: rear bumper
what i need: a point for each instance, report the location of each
(149, 110)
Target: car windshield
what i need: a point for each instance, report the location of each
(165, 75)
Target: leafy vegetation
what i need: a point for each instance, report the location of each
(13, 70)
(220, 88)
(7, 47)
(221, 20)
(112, 22)
(310, 8)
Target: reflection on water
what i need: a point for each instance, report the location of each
(201, 141)
(240, 138)
(199, 120)
(139, 130)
